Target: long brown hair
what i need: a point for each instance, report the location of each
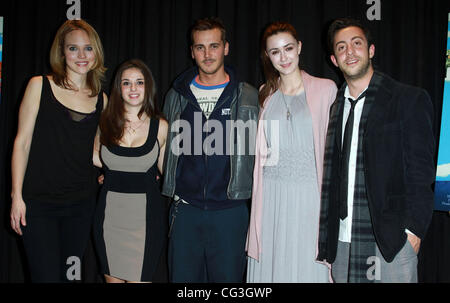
(112, 120)
(58, 63)
(270, 73)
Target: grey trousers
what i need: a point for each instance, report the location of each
(403, 269)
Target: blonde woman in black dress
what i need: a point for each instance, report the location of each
(53, 179)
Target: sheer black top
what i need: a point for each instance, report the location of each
(60, 165)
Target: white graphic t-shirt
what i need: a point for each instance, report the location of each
(207, 95)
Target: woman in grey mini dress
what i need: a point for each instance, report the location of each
(284, 224)
(130, 226)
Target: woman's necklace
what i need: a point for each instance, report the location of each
(132, 130)
(288, 111)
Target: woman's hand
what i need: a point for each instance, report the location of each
(18, 210)
(100, 179)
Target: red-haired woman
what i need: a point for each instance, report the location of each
(130, 226)
(53, 179)
(284, 221)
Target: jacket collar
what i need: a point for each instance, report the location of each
(183, 81)
(379, 91)
(382, 86)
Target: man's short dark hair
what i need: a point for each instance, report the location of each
(208, 24)
(342, 23)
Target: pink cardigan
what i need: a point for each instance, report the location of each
(320, 94)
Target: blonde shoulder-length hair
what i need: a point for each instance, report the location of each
(58, 63)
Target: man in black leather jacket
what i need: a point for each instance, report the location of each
(208, 169)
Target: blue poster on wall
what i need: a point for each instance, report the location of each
(442, 188)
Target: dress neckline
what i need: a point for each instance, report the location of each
(146, 140)
(68, 108)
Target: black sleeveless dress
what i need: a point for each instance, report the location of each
(60, 165)
(59, 188)
(130, 225)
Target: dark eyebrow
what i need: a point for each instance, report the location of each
(129, 79)
(212, 43)
(355, 37)
(282, 46)
(72, 44)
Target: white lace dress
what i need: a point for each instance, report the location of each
(290, 221)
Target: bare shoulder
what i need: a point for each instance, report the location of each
(35, 83)
(162, 131)
(33, 91)
(29, 107)
(163, 126)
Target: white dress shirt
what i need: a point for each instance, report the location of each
(345, 229)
